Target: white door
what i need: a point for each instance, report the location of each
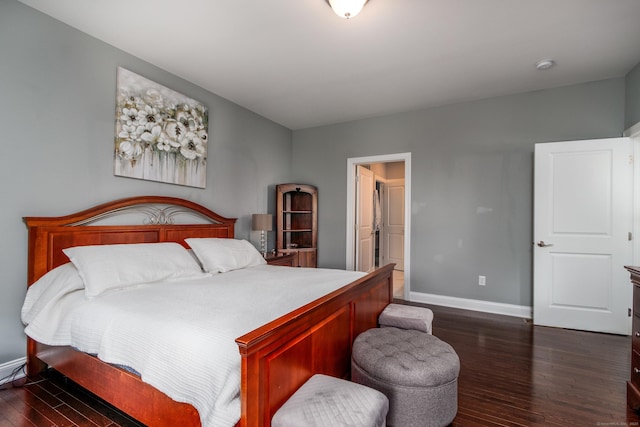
(365, 237)
(394, 223)
(582, 224)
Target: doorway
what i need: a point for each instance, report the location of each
(390, 232)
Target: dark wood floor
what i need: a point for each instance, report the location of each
(512, 374)
(516, 374)
(53, 401)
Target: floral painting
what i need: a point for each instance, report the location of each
(161, 135)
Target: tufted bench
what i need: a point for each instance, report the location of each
(406, 317)
(325, 401)
(417, 372)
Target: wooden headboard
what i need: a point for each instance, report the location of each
(146, 219)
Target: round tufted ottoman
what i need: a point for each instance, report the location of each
(417, 372)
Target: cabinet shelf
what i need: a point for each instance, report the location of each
(301, 230)
(297, 212)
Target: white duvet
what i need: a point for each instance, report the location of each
(180, 336)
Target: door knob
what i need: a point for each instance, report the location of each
(542, 244)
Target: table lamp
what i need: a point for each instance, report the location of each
(262, 223)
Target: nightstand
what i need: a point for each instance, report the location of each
(284, 260)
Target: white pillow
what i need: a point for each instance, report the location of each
(109, 267)
(49, 288)
(221, 255)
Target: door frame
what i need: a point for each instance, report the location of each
(351, 209)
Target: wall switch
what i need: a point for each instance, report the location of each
(482, 280)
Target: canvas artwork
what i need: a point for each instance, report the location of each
(161, 135)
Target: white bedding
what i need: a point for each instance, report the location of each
(180, 335)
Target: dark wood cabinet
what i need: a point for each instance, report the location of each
(633, 385)
(297, 223)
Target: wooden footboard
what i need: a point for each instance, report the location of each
(280, 356)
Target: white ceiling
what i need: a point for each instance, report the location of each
(298, 64)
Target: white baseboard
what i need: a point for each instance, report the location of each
(523, 311)
(6, 369)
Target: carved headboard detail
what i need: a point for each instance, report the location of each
(163, 219)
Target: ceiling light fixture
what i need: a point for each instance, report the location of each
(346, 8)
(545, 64)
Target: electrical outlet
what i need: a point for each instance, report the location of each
(482, 280)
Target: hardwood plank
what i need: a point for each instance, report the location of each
(18, 405)
(57, 402)
(116, 417)
(86, 411)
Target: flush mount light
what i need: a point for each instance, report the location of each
(545, 64)
(346, 8)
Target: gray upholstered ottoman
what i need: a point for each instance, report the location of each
(325, 401)
(406, 317)
(416, 371)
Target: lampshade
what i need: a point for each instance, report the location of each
(261, 222)
(347, 8)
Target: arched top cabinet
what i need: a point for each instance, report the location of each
(297, 223)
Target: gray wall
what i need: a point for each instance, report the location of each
(472, 170)
(632, 98)
(57, 103)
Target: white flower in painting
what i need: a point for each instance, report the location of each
(129, 116)
(153, 136)
(128, 99)
(192, 146)
(183, 117)
(191, 118)
(167, 145)
(197, 117)
(154, 98)
(149, 117)
(130, 150)
(202, 134)
(175, 131)
(132, 132)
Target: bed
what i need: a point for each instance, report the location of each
(276, 358)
